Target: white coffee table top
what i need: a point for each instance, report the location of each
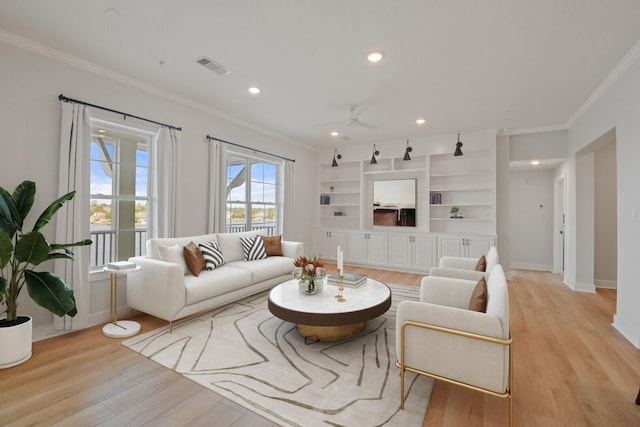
(362, 303)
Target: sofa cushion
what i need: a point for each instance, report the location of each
(153, 244)
(173, 254)
(273, 245)
(230, 245)
(264, 269)
(253, 248)
(213, 283)
(194, 259)
(478, 301)
(212, 254)
(482, 264)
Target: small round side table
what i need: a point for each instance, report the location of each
(118, 328)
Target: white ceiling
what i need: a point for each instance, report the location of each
(461, 64)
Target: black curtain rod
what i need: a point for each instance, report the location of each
(65, 99)
(210, 138)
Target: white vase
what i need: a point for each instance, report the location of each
(15, 344)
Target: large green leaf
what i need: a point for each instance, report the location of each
(4, 284)
(24, 196)
(6, 248)
(32, 248)
(45, 216)
(50, 291)
(7, 206)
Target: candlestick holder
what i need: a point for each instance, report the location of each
(340, 297)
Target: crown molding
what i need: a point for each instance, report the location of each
(541, 129)
(627, 61)
(64, 57)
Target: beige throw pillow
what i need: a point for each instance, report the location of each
(478, 300)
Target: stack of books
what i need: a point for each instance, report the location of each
(121, 265)
(349, 280)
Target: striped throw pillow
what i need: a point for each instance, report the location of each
(253, 248)
(212, 254)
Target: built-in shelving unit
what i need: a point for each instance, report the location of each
(339, 189)
(467, 182)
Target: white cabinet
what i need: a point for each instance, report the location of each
(364, 247)
(325, 243)
(412, 251)
(464, 246)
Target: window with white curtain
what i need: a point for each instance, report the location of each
(253, 194)
(120, 203)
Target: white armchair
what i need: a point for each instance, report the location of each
(440, 338)
(464, 268)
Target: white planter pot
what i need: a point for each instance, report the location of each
(15, 344)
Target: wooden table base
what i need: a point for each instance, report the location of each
(330, 333)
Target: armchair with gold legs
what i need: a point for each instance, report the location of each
(442, 338)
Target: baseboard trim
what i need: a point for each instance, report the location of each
(628, 331)
(530, 266)
(607, 284)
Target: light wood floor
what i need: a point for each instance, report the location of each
(572, 368)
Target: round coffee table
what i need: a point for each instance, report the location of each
(321, 316)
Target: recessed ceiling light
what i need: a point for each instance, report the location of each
(421, 121)
(334, 133)
(535, 162)
(254, 90)
(102, 131)
(374, 57)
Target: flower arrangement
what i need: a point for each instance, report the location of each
(307, 270)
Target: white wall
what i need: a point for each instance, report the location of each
(606, 224)
(619, 108)
(531, 213)
(540, 145)
(30, 130)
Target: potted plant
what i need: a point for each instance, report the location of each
(455, 212)
(20, 252)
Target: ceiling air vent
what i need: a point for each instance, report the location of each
(213, 66)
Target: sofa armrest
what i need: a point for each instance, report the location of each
(456, 273)
(292, 249)
(446, 291)
(458, 262)
(157, 288)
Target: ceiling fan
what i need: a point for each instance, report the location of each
(352, 120)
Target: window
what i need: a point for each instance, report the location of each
(120, 200)
(253, 200)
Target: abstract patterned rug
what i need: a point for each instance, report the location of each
(242, 352)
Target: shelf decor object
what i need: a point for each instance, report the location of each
(407, 151)
(458, 151)
(336, 155)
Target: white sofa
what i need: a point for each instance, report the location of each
(169, 291)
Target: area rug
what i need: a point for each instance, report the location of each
(247, 355)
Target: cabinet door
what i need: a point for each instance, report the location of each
(424, 252)
(377, 251)
(478, 246)
(356, 247)
(321, 242)
(400, 250)
(451, 246)
(336, 238)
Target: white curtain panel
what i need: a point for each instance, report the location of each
(164, 188)
(288, 202)
(217, 187)
(72, 220)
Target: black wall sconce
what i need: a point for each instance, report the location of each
(373, 156)
(337, 156)
(458, 151)
(407, 151)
